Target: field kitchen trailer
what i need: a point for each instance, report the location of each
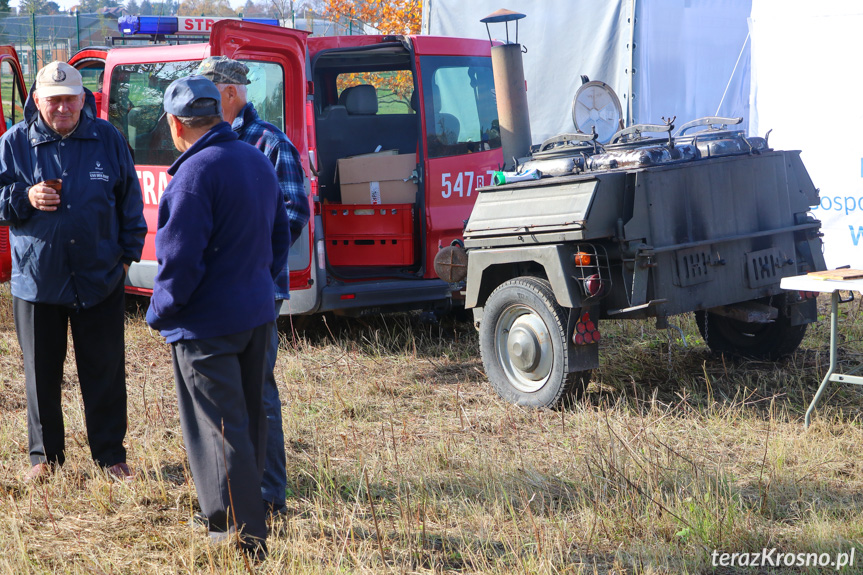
(642, 222)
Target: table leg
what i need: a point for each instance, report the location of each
(834, 313)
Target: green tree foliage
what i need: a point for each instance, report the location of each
(206, 8)
(93, 6)
(132, 7)
(160, 8)
(32, 6)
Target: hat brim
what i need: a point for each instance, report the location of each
(219, 79)
(49, 91)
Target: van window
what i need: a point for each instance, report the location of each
(91, 74)
(135, 105)
(393, 89)
(460, 105)
(10, 87)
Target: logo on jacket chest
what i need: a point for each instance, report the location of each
(98, 173)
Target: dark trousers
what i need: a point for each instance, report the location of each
(219, 382)
(97, 336)
(274, 480)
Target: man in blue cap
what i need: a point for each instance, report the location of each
(222, 239)
(231, 78)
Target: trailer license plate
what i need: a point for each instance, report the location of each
(693, 266)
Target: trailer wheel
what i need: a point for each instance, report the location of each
(766, 341)
(524, 345)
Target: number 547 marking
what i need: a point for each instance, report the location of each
(456, 184)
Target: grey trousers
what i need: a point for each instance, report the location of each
(219, 382)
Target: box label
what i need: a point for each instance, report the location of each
(375, 192)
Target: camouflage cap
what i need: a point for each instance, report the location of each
(223, 70)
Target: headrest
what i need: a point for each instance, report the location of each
(344, 95)
(362, 99)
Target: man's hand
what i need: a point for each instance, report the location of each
(126, 268)
(43, 198)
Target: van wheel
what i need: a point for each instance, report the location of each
(765, 341)
(524, 345)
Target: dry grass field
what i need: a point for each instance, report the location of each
(401, 459)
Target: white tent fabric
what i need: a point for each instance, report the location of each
(564, 39)
(780, 64)
(803, 89)
(686, 53)
(692, 60)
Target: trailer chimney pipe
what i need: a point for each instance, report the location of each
(510, 91)
(512, 111)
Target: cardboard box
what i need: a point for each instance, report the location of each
(377, 179)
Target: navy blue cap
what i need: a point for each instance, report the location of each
(183, 93)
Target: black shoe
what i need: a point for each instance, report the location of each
(275, 510)
(200, 520)
(255, 549)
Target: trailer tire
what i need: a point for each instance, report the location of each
(522, 315)
(765, 341)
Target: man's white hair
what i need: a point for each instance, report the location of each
(241, 89)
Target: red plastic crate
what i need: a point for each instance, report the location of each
(388, 250)
(368, 220)
(369, 235)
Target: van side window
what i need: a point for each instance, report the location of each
(135, 105)
(460, 105)
(10, 85)
(91, 75)
(135, 108)
(267, 91)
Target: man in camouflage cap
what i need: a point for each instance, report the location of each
(231, 78)
(223, 70)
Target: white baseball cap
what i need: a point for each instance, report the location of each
(58, 79)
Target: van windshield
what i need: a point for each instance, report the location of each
(135, 105)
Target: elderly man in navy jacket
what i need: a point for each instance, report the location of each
(70, 195)
(223, 237)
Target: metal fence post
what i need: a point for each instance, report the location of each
(35, 59)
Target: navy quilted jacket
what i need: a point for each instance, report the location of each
(73, 256)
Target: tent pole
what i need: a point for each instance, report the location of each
(631, 108)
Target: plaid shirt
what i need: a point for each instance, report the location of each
(285, 158)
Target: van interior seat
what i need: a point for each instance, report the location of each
(362, 100)
(446, 126)
(357, 128)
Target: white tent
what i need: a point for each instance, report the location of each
(686, 54)
(782, 65)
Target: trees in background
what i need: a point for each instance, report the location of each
(206, 8)
(388, 16)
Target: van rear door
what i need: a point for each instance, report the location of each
(278, 56)
(13, 94)
(135, 80)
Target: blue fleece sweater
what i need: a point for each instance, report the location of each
(222, 224)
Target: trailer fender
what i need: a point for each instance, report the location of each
(488, 268)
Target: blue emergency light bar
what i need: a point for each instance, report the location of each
(163, 25)
(147, 24)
